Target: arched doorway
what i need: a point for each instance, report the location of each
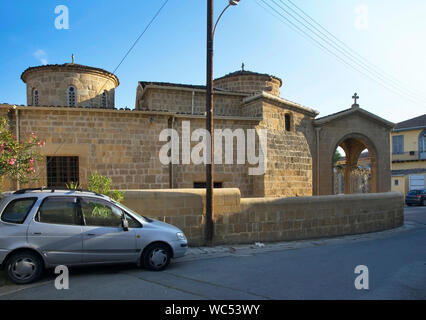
(356, 172)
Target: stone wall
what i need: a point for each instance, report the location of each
(184, 208)
(269, 219)
(188, 101)
(123, 145)
(289, 167)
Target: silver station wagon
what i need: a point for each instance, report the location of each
(43, 228)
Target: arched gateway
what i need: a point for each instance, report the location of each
(354, 130)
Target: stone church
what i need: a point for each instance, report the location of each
(72, 107)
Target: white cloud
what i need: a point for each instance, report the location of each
(41, 55)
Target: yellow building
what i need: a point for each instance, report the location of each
(409, 155)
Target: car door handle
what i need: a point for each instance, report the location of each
(37, 233)
(91, 234)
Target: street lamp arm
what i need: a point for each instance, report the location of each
(220, 16)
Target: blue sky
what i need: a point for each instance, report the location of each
(173, 49)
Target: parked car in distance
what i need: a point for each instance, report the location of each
(43, 228)
(417, 197)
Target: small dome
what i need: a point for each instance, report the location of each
(70, 84)
(249, 82)
(68, 67)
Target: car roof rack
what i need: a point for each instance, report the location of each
(23, 191)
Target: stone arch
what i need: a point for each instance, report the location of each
(353, 144)
(357, 129)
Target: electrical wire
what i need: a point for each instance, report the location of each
(119, 64)
(275, 12)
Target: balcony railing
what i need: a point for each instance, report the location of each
(411, 155)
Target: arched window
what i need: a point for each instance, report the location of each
(104, 103)
(35, 97)
(72, 93)
(287, 120)
(422, 145)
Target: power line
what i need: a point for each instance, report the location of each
(351, 51)
(347, 54)
(350, 56)
(300, 31)
(136, 41)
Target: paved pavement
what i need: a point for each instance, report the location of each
(311, 269)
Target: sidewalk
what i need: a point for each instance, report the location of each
(195, 253)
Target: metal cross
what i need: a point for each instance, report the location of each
(355, 97)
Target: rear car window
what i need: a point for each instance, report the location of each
(414, 192)
(17, 210)
(59, 210)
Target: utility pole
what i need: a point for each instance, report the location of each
(209, 126)
(209, 117)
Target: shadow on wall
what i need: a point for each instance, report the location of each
(103, 100)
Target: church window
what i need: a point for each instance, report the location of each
(35, 97)
(287, 120)
(71, 96)
(104, 99)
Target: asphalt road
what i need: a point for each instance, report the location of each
(315, 269)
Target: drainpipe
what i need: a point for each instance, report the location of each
(171, 184)
(18, 138)
(317, 131)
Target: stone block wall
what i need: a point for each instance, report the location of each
(248, 220)
(289, 168)
(123, 145)
(184, 208)
(187, 101)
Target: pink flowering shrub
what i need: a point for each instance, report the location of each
(17, 159)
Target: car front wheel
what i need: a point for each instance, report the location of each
(24, 267)
(156, 257)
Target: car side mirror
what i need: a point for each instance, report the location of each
(125, 224)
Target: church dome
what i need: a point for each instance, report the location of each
(249, 82)
(70, 84)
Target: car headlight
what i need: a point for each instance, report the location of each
(180, 236)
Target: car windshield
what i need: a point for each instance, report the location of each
(146, 219)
